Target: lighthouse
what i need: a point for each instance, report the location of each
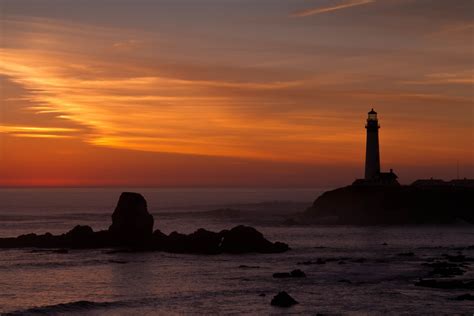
(373, 176)
(372, 154)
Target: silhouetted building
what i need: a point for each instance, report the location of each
(373, 176)
(459, 183)
(466, 183)
(429, 183)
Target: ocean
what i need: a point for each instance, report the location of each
(367, 269)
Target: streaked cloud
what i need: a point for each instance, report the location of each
(339, 6)
(21, 129)
(462, 78)
(38, 131)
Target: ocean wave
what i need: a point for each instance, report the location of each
(76, 306)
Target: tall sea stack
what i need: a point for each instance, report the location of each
(131, 222)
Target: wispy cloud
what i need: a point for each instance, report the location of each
(340, 6)
(462, 78)
(143, 108)
(122, 98)
(38, 131)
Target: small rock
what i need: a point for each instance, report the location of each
(283, 299)
(298, 274)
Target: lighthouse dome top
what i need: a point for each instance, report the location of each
(372, 115)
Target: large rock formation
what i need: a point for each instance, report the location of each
(131, 222)
(242, 239)
(132, 229)
(374, 205)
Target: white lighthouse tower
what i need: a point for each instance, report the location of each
(372, 154)
(373, 176)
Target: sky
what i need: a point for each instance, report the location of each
(272, 93)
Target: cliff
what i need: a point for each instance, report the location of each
(374, 205)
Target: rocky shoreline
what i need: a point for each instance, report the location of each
(132, 229)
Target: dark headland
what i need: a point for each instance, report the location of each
(132, 229)
(423, 202)
(379, 199)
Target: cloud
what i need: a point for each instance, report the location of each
(461, 78)
(320, 10)
(126, 99)
(38, 131)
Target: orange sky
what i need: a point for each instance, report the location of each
(273, 93)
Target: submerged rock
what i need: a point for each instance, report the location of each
(283, 299)
(131, 222)
(298, 274)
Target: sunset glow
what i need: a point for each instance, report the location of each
(267, 96)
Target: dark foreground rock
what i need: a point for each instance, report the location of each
(200, 242)
(131, 222)
(242, 239)
(282, 299)
(132, 229)
(376, 205)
